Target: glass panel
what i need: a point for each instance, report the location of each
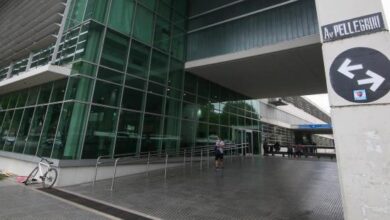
(76, 13)
(4, 102)
(84, 69)
(68, 140)
(94, 40)
(188, 131)
(154, 104)
(138, 63)
(44, 95)
(171, 134)
(202, 134)
(190, 111)
(79, 88)
(132, 99)
(106, 94)
(178, 44)
(115, 50)
(121, 15)
(190, 83)
(151, 4)
(135, 82)
(110, 75)
(164, 10)
(156, 88)
(162, 35)
(22, 99)
(159, 67)
(151, 135)
(172, 108)
(143, 28)
(35, 131)
(49, 130)
(12, 100)
(99, 139)
(173, 93)
(176, 74)
(23, 130)
(204, 109)
(128, 132)
(96, 9)
(11, 134)
(58, 91)
(203, 88)
(5, 127)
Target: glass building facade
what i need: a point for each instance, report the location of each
(127, 92)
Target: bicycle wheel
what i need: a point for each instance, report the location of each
(49, 178)
(31, 176)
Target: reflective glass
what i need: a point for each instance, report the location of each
(115, 50)
(159, 67)
(23, 130)
(171, 134)
(132, 99)
(162, 35)
(151, 134)
(110, 75)
(135, 82)
(94, 41)
(79, 88)
(48, 140)
(83, 68)
(106, 94)
(154, 104)
(138, 63)
(188, 131)
(176, 74)
(128, 132)
(13, 130)
(96, 9)
(35, 130)
(44, 94)
(5, 127)
(58, 91)
(143, 28)
(99, 138)
(121, 15)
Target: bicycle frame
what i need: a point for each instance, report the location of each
(40, 170)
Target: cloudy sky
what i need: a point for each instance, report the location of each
(321, 100)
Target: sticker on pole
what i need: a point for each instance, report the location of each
(361, 75)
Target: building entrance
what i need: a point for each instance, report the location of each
(244, 138)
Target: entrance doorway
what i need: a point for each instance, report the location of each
(244, 138)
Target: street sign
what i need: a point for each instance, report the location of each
(361, 75)
(353, 27)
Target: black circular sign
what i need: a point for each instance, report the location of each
(361, 75)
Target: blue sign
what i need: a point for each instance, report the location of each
(315, 126)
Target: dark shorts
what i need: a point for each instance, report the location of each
(218, 156)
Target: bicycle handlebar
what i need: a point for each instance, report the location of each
(48, 161)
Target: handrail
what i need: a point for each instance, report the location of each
(158, 155)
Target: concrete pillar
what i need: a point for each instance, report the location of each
(356, 55)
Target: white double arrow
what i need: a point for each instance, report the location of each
(375, 79)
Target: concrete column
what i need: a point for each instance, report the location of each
(356, 54)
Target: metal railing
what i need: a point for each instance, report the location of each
(196, 154)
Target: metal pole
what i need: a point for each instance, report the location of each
(208, 157)
(231, 153)
(96, 168)
(166, 166)
(147, 164)
(184, 160)
(201, 158)
(113, 177)
(192, 150)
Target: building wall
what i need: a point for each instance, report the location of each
(127, 93)
(246, 24)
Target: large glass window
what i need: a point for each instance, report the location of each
(106, 93)
(58, 91)
(132, 99)
(143, 29)
(20, 141)
(121, 15)
(154, 104)
(151, 134)
(176, 74)
(188, 131)
(172, 108)
(35, 131)
(128, 132)
(44, 95)
(94, 41)
(162, 35)
(159, 67)
(13, 130)
(139, 59)
(110, 75)
(48, 140)
(96, 9)
(79, 88)
(99, 139)
(171, 134)
(22, 99)
(5, 127)
(115, 50)
(68, 140)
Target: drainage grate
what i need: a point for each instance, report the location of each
(118, 213)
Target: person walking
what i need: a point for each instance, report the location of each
(218, 150)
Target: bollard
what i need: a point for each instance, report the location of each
(231, 153)
(208, 158)
(166, 166)
(113, 178)
(184, 160)
(147, 164)
(192, 150)
(96, 169)
(201, 158)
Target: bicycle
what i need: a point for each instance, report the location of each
(47, 173)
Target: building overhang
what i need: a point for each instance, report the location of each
(290, 68)
(34, 77)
